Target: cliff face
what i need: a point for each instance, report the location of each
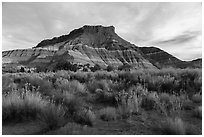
(87, 45)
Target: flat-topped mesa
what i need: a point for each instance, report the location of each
(86, 29)
(98, 29)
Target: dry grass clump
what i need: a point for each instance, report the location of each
(198, 112)
(150, 101)
(68, 129)
(101, 84)
(130, 101)
(85, 117)
(76, 87)
(197, 98)
(22, 105)
(71, 103)
(52, 116)
(108, 113)
(73, 87)
(104, 97)
(174, 126)
(188, 105)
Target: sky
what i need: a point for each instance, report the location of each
(173, 27)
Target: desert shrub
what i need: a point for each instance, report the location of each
(197, 98)
(188, 80)
(100, 75)
(41, 68)
(129, 102)
(63, 74)
(95, 68)
(85, 117)
(73, 87)
(105, 97)
(69, 129)
(165, 99)
(71, 103)
(82, 76)
(173, 126)
(8, 83)
(150, 101)
(75, 108)
(109, 68)
(52, 116)
(76, 87)
(44, 86)
(163, 83)
(117, 86)
(93, 85)
(22, 105)
(125, 66)
(108, 113)
(22, 69)
(63, 65)
(198, 112)
(188, 105)
(170, 105)
(62, 83)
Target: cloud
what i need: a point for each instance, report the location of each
(140, 23)
(183, 38)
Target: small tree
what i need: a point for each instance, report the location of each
(125, 66)
(95, 68)
(66, 66)
(109, 68)
(85, 70)
(22, 69)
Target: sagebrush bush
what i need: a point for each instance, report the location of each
(93, 85)
(76, 87)
(188, 105)
(22, 105)
(150, 101)
(170, 105)
(198, 112)
(62, 74)
(69, 129)
(72, 103)
(85, 117)
(105, 97)
(52, 116)
(197, 98)
(73, 87)
(174, 126)
(129, 102)
(108, 113)
(44, 85)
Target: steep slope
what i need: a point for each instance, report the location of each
(162, 59)
(87, 45)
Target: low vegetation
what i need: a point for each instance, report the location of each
(70, 100)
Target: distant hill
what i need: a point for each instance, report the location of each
(162, 59)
